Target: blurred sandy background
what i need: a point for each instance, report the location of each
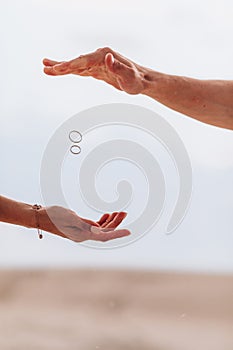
(89, 309)
(115, 310)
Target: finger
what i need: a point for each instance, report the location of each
(82, 64)
(109, 60)
(112, 218)
(115, 66)
(101, 236)
(62, 68)
(49, 63)
(118, 56)
(123, 59)
(49, 71)
(117, 220)
(103, 219)
(90, 222)
(109, 219)
(77, 65)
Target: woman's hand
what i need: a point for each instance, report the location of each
(104, 64)
(66, 223)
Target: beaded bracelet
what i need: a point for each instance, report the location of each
(37, 207)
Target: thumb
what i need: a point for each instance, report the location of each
(116, 66)
(124, 75)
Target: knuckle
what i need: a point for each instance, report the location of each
(105, 49)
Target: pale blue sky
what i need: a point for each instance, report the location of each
(180, 37)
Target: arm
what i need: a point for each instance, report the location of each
(62, 222)
(209, 101)
(16, 213)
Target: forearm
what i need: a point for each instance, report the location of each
(16, 213)
(23, 214)
(209, 101)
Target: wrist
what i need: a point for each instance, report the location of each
(40, 220)
(47, 218)
(29, 217)
(34, 217)
(153, 83)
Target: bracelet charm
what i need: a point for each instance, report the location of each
(37, 207)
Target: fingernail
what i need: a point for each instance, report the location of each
(112, 58)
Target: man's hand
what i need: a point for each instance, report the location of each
(209, 101)
(66, 223)
(104, 64)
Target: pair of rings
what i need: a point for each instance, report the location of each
(75, 137)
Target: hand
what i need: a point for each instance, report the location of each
(104, 64)
(66, 223)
